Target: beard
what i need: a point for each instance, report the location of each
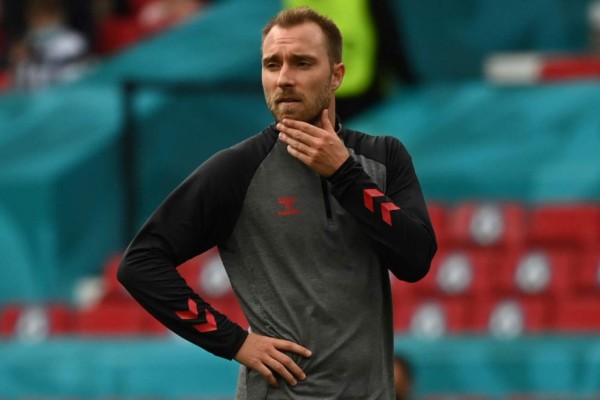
(303, 109)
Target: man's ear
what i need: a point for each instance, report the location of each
(339, 70)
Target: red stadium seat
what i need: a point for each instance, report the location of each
(5, 80)
(430, 317)
(487, 225)
(574, 226)
(117, 33)
(35, 321)
(458, 274)
(578, 314)
(206, 275)
(127, 319)
(192, 269)
(113, 290)
(510, 317)
(438, 216)
(587, 276)
(536, 272)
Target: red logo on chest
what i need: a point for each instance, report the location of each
(288, 205)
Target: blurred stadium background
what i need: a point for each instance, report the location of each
(503, 124)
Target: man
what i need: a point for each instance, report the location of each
(50, 52)
(403, 377)
(308, 219)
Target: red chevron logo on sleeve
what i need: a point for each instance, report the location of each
(369, 195)
(192, 313)
(386, 208)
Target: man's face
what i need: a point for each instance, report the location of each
(297, 78)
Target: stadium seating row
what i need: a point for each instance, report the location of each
(507, 269)
(36, 322)
(502, 270)
(502, 317)
(534, 272)
(506, 226)
(114, 313)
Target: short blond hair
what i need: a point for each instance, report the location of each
(299, 15)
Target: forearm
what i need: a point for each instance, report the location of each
(404, 242)
(152, 279)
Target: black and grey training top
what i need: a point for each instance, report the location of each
(307, 256)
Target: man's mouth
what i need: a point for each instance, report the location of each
(283, 101)
(288, 100)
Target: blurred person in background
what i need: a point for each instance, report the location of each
(309, 217)
(403, 377)
(11, 17)
(79, 16)
(3, 51)
(104, 8)
(50, 51)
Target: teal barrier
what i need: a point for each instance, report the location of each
(62, 190)
(530, 144)
(563, 367)
(99, 368)
(188, 128)
(173, 368)
(448, 40)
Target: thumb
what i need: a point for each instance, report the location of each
(325, 121)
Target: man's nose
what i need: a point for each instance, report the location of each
(285, 77)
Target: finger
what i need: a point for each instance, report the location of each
(282, 371)
(295, 134)
(304, 128)
(291, 142)
(292, 136)
(286, 345)
(299, 155)
(303, 149)
(287, 134)
(267, 374)
(290, 365)
(325, 121)
(304, 145)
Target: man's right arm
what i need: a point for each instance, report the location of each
(198, 215)
(186, 224)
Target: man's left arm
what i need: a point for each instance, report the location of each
(397, 221)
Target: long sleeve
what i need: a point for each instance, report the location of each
(396, 221)
(198, 215)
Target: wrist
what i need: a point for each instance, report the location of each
(345, 166)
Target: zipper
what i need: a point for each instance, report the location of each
(325, 191)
